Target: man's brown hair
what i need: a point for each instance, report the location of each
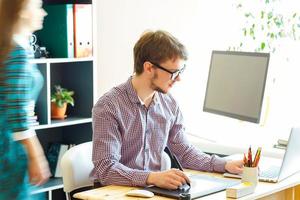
(158, 47)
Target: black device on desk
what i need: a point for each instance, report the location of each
(201, 185)
(177, 165)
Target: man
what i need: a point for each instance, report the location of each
(135, 121)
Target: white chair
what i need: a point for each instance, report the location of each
(165, 162)
(76, 165)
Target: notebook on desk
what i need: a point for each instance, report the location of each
(201, 185)
(274, 170)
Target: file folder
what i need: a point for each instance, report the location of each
(83, 30)
(57, 34)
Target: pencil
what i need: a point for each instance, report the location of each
(245, 160)
(249, 157)
(257, 157)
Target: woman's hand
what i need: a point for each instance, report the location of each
(38, 169)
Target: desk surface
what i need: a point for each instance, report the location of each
(118, 192)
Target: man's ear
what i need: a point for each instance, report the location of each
(148, 67)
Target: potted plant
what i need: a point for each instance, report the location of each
(59, 101)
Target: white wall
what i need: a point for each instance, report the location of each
(202, 26)
(120, 24)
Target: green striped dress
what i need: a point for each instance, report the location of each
(20, 83)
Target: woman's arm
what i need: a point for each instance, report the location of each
(37, 164)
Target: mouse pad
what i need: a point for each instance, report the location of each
(201, 185)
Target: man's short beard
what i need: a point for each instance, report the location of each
(154, 86)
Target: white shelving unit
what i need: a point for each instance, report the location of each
(77, 75)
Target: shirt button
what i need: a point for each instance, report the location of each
(147, 147)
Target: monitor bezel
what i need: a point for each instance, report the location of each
(232, 115)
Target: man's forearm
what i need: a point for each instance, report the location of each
(119, 174)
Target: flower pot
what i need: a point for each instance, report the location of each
(58, 112)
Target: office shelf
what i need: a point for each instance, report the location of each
(66, 122)
(52, 184)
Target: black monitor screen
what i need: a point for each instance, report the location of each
(236, 84)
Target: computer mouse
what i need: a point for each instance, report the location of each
(140, 193)
(184, 187)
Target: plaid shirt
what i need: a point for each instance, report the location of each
(128, 138)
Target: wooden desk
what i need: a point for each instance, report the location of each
(288, 189)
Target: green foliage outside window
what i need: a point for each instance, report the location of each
(265, 25)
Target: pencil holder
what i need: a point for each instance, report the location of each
(250, 174)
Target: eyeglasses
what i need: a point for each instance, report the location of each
(174, 74)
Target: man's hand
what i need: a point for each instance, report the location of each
(169, 179)
(234, 166)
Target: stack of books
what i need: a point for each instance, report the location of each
(32, 118)
(240, 190)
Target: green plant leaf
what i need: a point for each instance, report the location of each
(262, 45)
(247, 14)
(61, 96)
(270, 15)
(60, 103)
(272, 35)
(252, 32)
(245, 32)
(281, 34)
(294, 15)
(262, 14)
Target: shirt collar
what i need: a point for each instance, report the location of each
(131, 92)
(133, 95)
(141, 101)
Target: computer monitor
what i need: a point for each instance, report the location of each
(236, 84)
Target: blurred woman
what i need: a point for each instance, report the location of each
(22, 159)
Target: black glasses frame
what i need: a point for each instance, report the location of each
(174, 74)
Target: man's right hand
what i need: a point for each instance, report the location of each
(170, 179)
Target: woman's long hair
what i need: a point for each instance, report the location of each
(10, 15)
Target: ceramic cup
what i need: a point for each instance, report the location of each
(250, 174)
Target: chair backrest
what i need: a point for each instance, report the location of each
(76, 165)
(165, 162)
